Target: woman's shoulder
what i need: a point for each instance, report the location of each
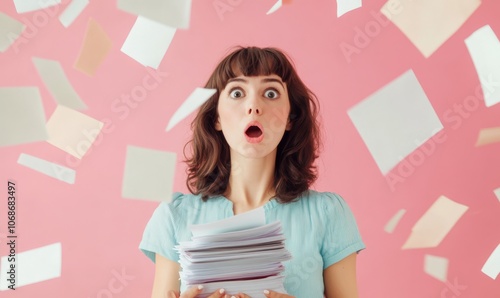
(324, 200)
(180, 201)
(322, 197)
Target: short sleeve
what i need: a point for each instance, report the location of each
(159, 235)
(342, 236)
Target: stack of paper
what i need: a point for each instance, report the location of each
(247, 260)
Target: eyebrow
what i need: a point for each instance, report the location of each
(265, 80)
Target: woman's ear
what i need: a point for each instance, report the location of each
(218, 127)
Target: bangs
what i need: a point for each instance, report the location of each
(253, 61)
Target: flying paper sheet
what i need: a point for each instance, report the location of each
(53, 77)
(484, 49)
(193, 102)
(393, 222)
(10, 30)
(275, 7)
(395, 120)
(148, 41)
(429, 23)
(33, 266)
(436, 267)
(48, 168)
(149, 174)
(72, 131)
(22, 118)
(488, 136)
(497, 193)
(344, 6)
(492, 265)
(72, 11)
(23, 6)
(173, 13)
(435, 224)
(96, 47)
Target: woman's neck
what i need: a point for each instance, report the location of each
(250, 182)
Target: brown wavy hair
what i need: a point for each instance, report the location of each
(209, 166)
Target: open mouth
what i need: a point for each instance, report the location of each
(253, 132)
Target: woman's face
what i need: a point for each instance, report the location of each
(253, 114)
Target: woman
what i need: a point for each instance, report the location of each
(254, 145)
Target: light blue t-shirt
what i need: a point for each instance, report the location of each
(320, 230)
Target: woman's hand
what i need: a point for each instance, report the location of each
(221, 293)
(194, 291)
(273, 294)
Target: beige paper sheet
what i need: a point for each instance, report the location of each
(488, 136)
(429, 23)
(72, 131)
(96, 46)
(435, 224)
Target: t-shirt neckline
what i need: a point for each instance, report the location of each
(267, 206)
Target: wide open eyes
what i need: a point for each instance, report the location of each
(271, 93)
(236, 93)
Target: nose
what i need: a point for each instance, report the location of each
(254, 111)
(254, 106)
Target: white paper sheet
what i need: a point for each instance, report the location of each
(22, 118)
(173, 13)
(148, 41)
(55, 79)
(251, 233)
(192, 245)
(23, 6)
(193, 102)
(72, 11)
(435, 224)
(497, 193)
(72, 131)
(393, 222)
(33, 266)
(247, 220)
(429, 23)
(48, 168)
(344, 6)
(149, 174)
(484, 49)
(275, 7)
(10, 30)
(395, 120)
(492, 266)
(234, 253)
(436, 267)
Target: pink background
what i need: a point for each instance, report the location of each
(100, 231)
